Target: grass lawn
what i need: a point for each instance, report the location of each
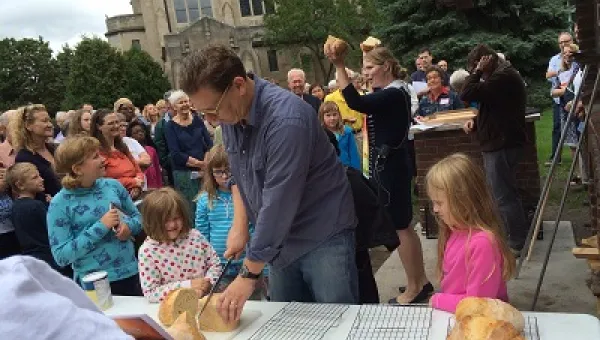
(576, 194)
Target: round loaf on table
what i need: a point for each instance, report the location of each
(483, 328)
(338, 45)
(178, 301)
(185, 328)
(491, 308)
(210, 320)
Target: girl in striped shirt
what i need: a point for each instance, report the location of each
(214, 212)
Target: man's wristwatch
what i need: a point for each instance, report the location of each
(246, 274)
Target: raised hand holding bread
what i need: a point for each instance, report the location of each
(335, 49)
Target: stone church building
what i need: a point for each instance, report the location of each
(169, 29)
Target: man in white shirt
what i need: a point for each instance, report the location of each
(554, 66)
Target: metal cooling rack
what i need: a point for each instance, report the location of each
(301, 321)
(391, 322)
(531, 331)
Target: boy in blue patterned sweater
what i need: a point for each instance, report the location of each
(214, 215)
(91, 220)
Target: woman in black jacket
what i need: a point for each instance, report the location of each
(388, 116)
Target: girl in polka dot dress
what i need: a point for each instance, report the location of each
(174, 255)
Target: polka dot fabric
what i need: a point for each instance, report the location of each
(164, 267)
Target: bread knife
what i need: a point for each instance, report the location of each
(212, 290)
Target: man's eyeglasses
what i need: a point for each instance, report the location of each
(215, 111)
(221, 173)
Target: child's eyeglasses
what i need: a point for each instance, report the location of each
(221, 173)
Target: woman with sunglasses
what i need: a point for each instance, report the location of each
(187, 141)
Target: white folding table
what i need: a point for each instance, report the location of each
(552, 326)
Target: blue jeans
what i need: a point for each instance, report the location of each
(326, 274)
(501, 175)
(556, 127)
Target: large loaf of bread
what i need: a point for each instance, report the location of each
(369, 44)
(185, 328)
(483, 328)
(177, 302)
(491, 308)
(337, 45)
(210, 320)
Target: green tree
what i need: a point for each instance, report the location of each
(27, 74)
(145, 81)
(97, 75)
(525, 30)
(307, 23)
(63, 62)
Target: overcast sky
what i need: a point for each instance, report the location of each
(58, 21)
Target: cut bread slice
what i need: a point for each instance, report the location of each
(178, 301)
(185, 328)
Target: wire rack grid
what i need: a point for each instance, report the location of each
(301, 321)
(391, 323)
(531, 331)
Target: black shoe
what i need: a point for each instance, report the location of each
(423, 295)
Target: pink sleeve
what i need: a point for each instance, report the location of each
(211, 261)
(151, 277)
(484, 270)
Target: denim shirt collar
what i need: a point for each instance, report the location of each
(256, 114)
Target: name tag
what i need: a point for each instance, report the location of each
(194, 174)
(445, 101)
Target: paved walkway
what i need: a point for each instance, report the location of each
(563, 290)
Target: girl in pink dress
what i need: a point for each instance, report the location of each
(473, 255)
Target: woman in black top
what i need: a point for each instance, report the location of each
(31, 130)
(388, 116)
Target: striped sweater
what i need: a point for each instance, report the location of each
(214, 223)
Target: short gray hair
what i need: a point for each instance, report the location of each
(61, 115)
(298, 71)
(176, 96)
(6, 116)
(458, 79)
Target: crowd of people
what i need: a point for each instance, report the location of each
(235, 166)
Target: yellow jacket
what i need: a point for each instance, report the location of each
(345, 111)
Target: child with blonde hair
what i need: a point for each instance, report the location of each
(473, 256)
(91, 220)
(29, 214)
(214, 212)
(174, 254)
(331, 119)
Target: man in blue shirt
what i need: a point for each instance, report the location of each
(552, 75)
(292, 184)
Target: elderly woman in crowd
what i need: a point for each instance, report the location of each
(388, 118)
(120, 164)
(438, 97)
(458, 80)
(30, 130)
(80, 123)
(188, 141)
(62, 124)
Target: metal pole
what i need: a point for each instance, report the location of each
(567, 185)
(539, 210)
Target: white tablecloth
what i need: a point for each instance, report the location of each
(552, 326)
